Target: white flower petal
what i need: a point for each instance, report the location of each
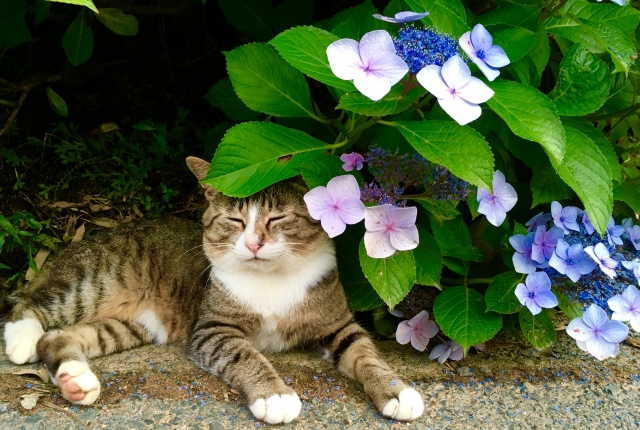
(375, 217)
(481, 38)
(376, 45)
(344, 187)
(496, 57)
(344, 59)
(601, 349)
(431, 79)
(372, 86)
(460, 110)
(378, 244)
(404, 239)
(475, 91)
(455, 72)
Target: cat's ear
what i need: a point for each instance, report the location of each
(200, 168)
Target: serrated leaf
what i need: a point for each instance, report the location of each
(546, 186)
(570, 308)
(86, 3)
(450, 234)
(587, 172)
(13, 28)
(251, 16)
(254, 155)
(267, 83)
(516, 15)
(360, 22)
(537, 329)
(320, 170)
(78, 40)
(117, 21)
(582, 86)
(500, 296)
(517, 42)
(460, 149)
(305, 48)
(456, 265)
(391, 277)
(57, 103)
(358, 103)
(530, 115)
(460, 313)
(222, 96)
(443, 209)
(428, 260)
(624, 19)
(447, 16)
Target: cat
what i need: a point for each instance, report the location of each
(260, 277)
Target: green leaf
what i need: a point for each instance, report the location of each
(391, 277)
(57, 103)
(546, 186)
(384, 323)
(500, 295)
(570, 308)
(582, 86)
(525, 71)
(456, 265)
(4, 266)
(13, 28)
(222, 96)
(118, 21)
(450, 234)
(624, 19)
(267, 83)
(443, 209)
(447, 16)
(86, 3)
(601, 142)
(466, 253)
(530, 115)
(358, 103)
(251, 16)
(254, 155)
(305, 48)
(515, 15)
(540, 51)
(538, 329)
(460, 313)
(360, 22)
(428, 260)
(460, 149)
(42, 10)
(587, 172)
(629, 192)
(322, 169)
(78, 40)
(517, 42)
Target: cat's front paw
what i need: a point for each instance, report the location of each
(21, 338)
(77, 382)
(406, 406)
(276, 409)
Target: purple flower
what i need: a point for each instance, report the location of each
(627, 224)
(496, 205)
(536, 293)
(522, 261)
(565, 218)
(626, 307)
(544, 243)
(633, 266)
(478, 45)
(389, 228)
(540, 219)
(571, 260)
(336, 205)
(614, 232)
(448, 349)
(351, 161)
(402, 17)
(458, 92)
(418, 330)
(597, 335)
(634, 236)
(586, 222)
(372, 64)
(600, 254)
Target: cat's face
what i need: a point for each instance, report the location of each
(269, 231)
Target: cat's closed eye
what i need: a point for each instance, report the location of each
(237, 221)
(274, 219)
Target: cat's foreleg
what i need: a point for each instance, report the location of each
(353, 353)
(222, 349)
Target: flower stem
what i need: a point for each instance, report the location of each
(362, 127)
(380, 121)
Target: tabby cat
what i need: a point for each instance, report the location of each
(262, 277)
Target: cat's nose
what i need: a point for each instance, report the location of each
(253, 246)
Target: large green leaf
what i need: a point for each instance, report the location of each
(538, 329)
(57, 103)
(587, 172)
(360, 22)
(582, 86)
(460, 149)
(391, 277)
(78, 40)
(428, 260)
(118, 21)
(628, 191)
(267, 83)
(320, 170)
(546, 186)
(443, 209)
(460, 313)
(86, 3)
(516, 15)
(251, 16)
(447, 16)
(358, 103)
(517, 42)
(500, 295)
(222, 96)
(306, 49)
(530, 115)
(624, 19)
(13, 28)
(254, 155)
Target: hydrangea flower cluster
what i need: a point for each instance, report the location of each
(446, 186)
(420, 47)
(419, 330)
(597, 271)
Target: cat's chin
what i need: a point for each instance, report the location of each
(251, 264)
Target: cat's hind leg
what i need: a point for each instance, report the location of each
(65, 353)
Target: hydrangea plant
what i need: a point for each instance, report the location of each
(444, 132)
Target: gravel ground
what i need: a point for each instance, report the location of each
(509, 386)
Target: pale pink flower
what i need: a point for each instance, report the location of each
(389, 228)
(449, 349)
(496, 205)
(351, 161)
(418, 330)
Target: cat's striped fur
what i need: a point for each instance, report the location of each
(262, 277)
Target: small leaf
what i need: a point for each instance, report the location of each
(222, 96)
(460, 313)
(537, 329)
(546, 186)
(57, 103)
(450, 234)
(118, 21)
(78, 40)
(40, 373)
(13, 28)
(358, 103)
(29, 400)
(428, 260)
(570, 308)
(500, 295)
(443, 209)
(86, 3)
(466, 253)
(391, 277)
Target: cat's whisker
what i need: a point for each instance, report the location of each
(189, 250)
